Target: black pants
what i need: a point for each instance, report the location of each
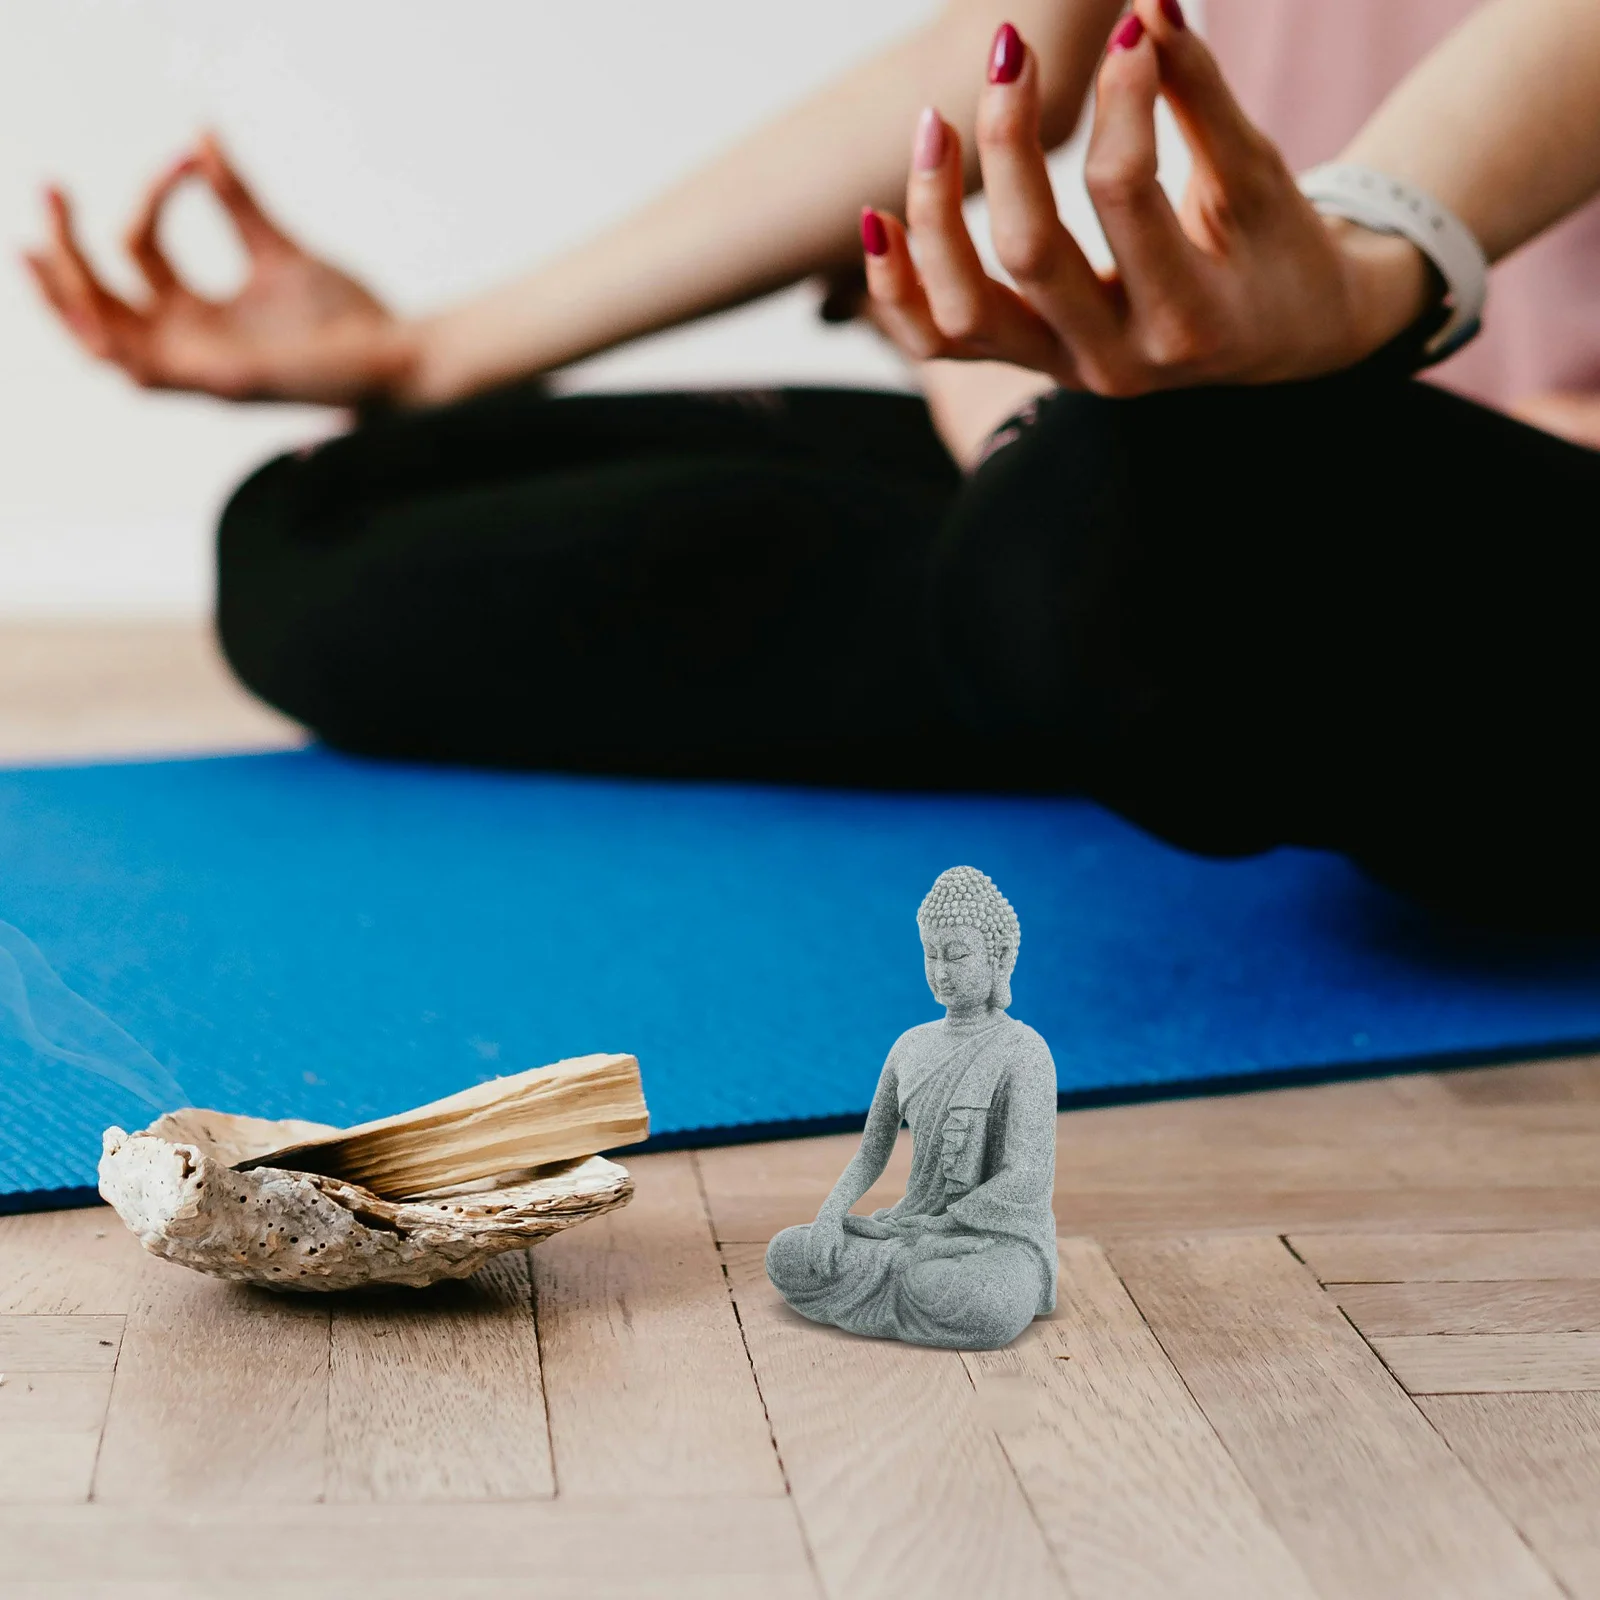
(1355, 613)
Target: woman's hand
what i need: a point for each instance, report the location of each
(299, 329)
(1246, 283)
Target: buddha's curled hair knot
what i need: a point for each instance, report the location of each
(963, 897)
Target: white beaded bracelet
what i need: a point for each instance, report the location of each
(1391, 205)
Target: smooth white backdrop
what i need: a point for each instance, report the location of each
(431, 149)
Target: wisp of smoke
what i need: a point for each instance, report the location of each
(39, 1012)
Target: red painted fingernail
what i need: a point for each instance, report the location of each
(1127, 33)
(1007, 56)
(874, 236)
(1173, 12)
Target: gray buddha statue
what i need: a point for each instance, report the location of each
(968, 1258)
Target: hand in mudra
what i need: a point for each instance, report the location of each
(298, 329)
(932, 1238)
(825, 1245)
(1245, 283)
(946, 1246)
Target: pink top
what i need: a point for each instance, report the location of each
(1310, 72)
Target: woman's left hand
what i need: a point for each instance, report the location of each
(297, 329)
(1246, 283)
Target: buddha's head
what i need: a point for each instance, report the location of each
(970, 937)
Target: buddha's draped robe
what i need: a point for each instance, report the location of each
(981, 1105)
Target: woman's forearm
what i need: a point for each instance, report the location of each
(779, 207)
(1501, 122)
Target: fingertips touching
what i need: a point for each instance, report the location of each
(208, 150)
(142, 239)
(1157, 18)
(1160, 20)
(258, 231)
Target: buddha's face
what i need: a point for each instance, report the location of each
(959, 973)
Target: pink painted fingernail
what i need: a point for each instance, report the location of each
(874, 236)
(1007, 55)
(1173, 12)
(1126, 34)
(928, 153)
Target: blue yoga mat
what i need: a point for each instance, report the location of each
(308, 935)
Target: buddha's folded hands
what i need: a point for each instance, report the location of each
(877, 1226)
(939, 1246)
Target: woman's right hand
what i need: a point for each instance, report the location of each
(1245, 284)
(298, 329)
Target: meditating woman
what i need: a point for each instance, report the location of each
(968, 1258)
(1263, 589)
(1231, 570)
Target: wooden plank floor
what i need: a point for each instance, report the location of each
(1337, 1342)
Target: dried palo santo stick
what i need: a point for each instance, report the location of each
(574, 1108)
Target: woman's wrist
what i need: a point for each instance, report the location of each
(1389, 284)
(447, 355)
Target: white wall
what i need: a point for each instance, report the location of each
(431, 148)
